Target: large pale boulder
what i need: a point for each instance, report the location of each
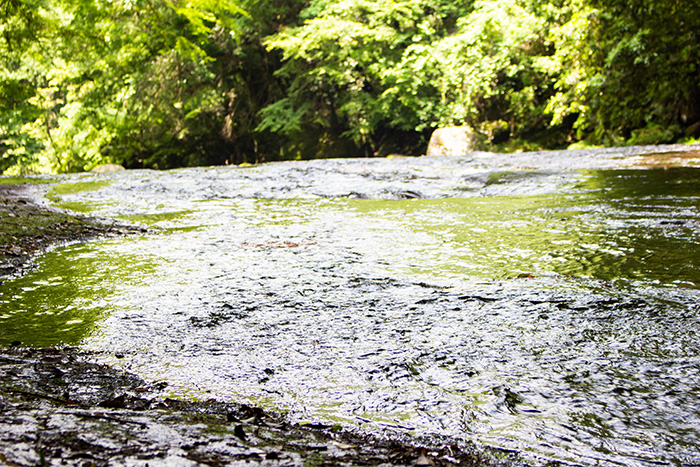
(452, 141)
(107, 168)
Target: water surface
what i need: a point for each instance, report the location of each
(548, 305)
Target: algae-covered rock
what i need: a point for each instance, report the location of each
(28, 228)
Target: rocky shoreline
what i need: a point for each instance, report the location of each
(59, 408)
(28, 228)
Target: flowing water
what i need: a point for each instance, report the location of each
(545, 302)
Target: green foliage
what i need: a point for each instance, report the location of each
(160, 90)
(335, 65)
(357, 68)
(138, 83)
(165, 83)
(481, 73)
(628, 66)
(20, 24)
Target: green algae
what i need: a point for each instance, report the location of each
(63, 298)
(25, 180)
(58, 191)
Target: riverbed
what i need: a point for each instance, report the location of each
(541, 302)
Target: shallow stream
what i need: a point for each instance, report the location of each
(547, 303)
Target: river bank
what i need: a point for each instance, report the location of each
(27, 228)
(59, 408)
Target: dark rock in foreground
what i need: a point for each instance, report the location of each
(57, 408)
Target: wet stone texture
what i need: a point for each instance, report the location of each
(56, 408)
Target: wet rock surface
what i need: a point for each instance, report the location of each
(576, 342)
(57, 408)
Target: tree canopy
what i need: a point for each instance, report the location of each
(167, 83)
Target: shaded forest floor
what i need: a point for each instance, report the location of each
(58, 408)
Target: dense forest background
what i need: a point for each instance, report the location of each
(166, 83)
